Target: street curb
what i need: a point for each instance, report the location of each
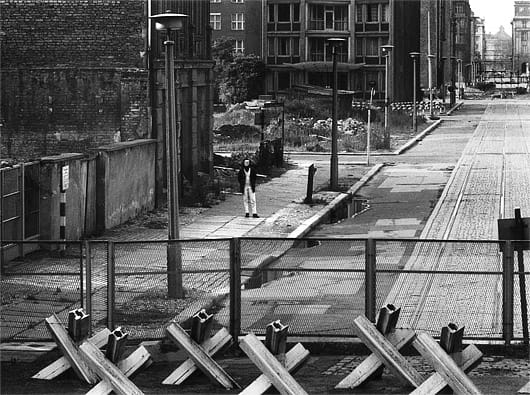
(455, 107)
(416, 139)
(324, 213)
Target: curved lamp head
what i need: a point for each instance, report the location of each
(169, 21)
(414, 55)
(387, 48)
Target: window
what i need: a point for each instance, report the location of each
(215, 1)
(459, 9)
(284, 13)
(359, 13)
(240, 46)
(372, 47)
(372, 12)
(524, 36)
(296, 12)
(284, 46)
(384, 13)
(295, 46)
(359, 47)
(272, 13)
(238, 21)
(270, 46)
(215, 21)
(238, 1)
(284, 80)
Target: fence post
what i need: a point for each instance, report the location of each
(110, 285)
(81, 285)
(88, 264)
(235, 288)
(370, 280)
(507, 291)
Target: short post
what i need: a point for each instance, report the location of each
(116, 345)
(276, 339)
(235, 288)
(451, 338)
(387, 319)
(370, 280)
(309, 193)
(78, 325)
(507, 291)
(62, 208)
(201, 326)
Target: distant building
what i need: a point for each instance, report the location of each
(479, 48)
(498, 52)
(240, 20)
(520, 37)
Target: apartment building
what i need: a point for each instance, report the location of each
(520, 37)
(447, 34)
(239, 20)
(299, 51)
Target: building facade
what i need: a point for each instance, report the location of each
(521, 37)
(479, 48)
(447, 32)
(299, 52)
(240, 21)
(79, 75)
(498, 53)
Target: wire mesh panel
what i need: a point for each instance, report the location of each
(99, 284)
(37, 285)
(314, 286)
(437, 282)
(142, 305)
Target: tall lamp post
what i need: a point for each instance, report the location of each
(371, 84)
(414, 56)
(459, 77)
(171, 22)
(334, 165)
(386, 51)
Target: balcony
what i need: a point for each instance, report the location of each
(323, 25)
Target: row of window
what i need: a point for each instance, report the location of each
(231, 1)
(321, 17)
(237, 21)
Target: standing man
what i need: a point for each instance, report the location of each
(247, 184)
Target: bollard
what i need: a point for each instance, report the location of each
(78, 325)
(116, 345)
(201, 325)
(276, 339)
(451, 338)
(387, 319)
(309, 194)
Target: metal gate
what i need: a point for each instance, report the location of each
(19, 199)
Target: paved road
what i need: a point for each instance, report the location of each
(490, 180)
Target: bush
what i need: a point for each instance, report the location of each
(520, 90)
(308, 108)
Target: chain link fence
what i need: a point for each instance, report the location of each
(38, 284)
(316, 286)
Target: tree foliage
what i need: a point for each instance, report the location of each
(238, 77)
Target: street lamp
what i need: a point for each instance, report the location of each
(414, 56)
(459, 77)
(170, 22)
(371, 84)
(334, 165)
(386, 50)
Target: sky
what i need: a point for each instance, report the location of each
(495, 13)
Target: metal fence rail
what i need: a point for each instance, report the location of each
(316, 286)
